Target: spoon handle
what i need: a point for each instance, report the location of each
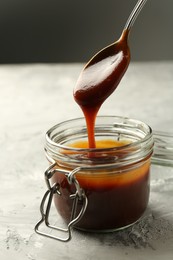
(134, 14)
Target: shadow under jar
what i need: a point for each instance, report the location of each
(115, 180)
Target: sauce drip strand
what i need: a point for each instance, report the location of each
(99, 78)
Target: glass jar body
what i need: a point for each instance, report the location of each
(115, 180)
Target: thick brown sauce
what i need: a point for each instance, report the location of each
(115, 199)
(99, 79)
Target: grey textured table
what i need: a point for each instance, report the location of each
(36, 97)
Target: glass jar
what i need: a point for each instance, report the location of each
(101, 189)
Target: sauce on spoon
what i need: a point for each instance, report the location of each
(99, 78)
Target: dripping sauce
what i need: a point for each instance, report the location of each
(99, 78)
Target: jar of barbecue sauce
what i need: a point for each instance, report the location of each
(102, 189)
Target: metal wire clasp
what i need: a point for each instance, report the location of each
(78, 196)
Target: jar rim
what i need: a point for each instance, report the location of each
(114, 148)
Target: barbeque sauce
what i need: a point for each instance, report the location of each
(116, 198)
(99, 78)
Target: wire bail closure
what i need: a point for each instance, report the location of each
(78, 196)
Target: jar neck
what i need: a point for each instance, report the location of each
(138, 145)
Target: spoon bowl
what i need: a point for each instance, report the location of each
(102, 73)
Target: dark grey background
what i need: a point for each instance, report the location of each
(73, 30)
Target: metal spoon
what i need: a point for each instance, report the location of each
(102, 74)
